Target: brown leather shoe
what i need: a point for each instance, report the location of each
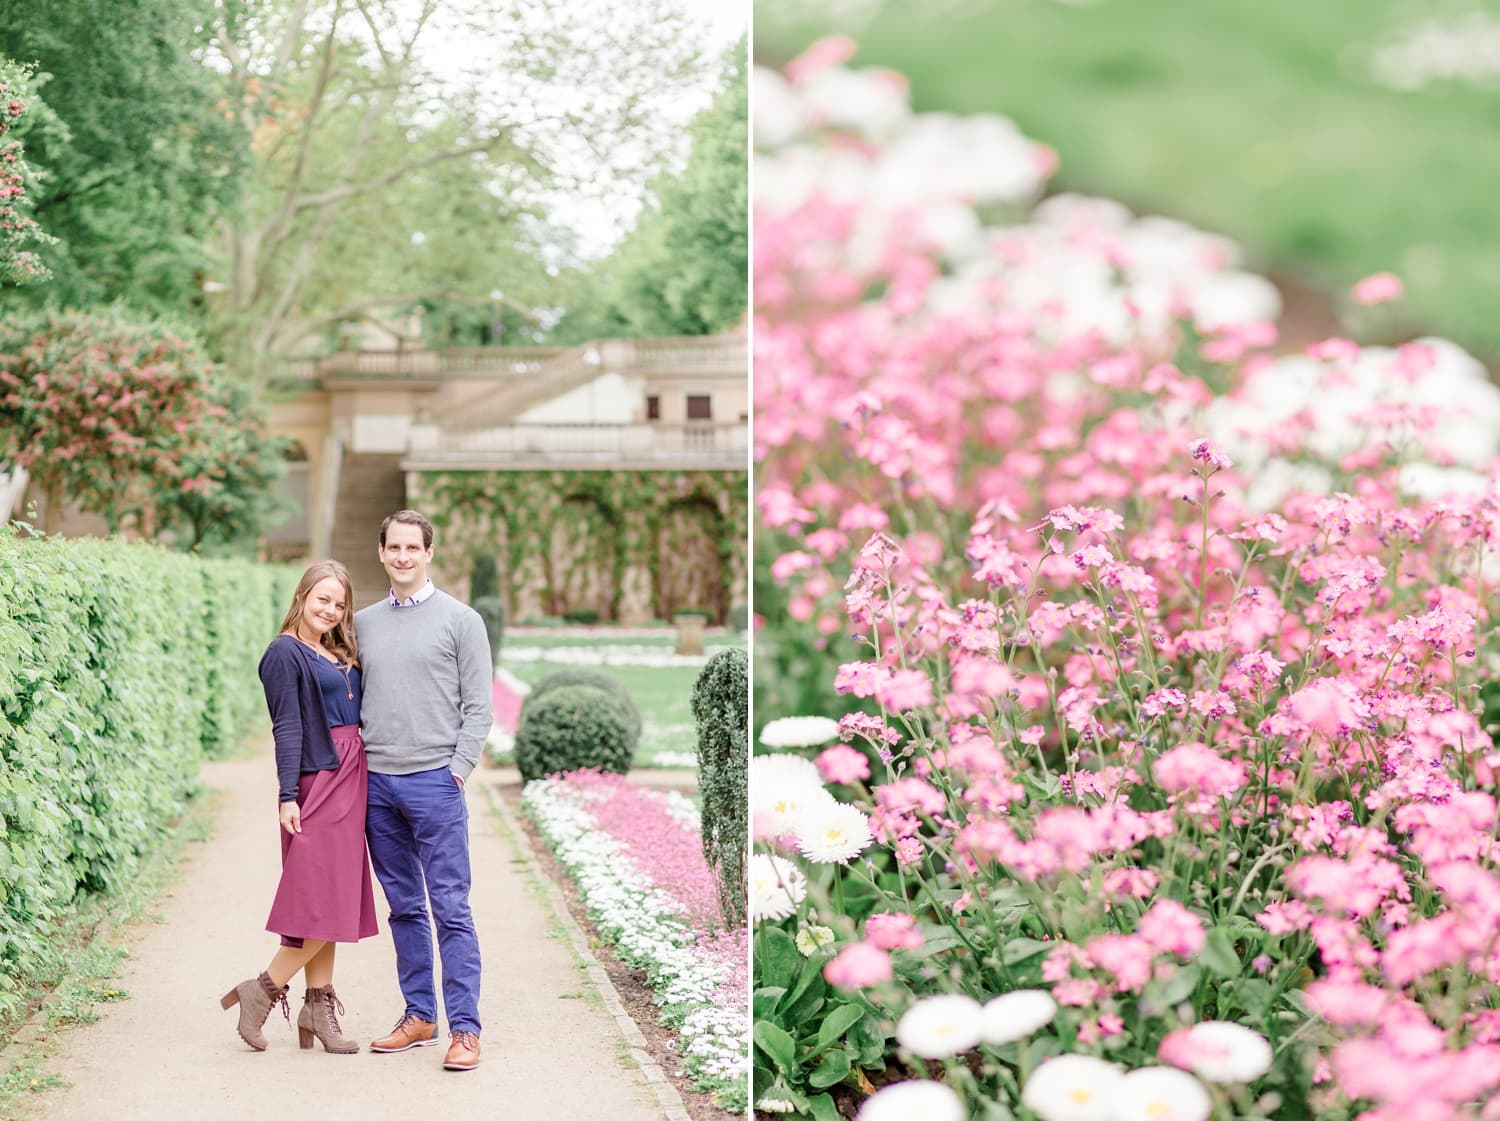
(410, 1032)
(463, 1052)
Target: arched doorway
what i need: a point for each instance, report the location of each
(582, 556)
(690, 564)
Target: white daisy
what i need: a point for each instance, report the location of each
(1226, 1052)
(799, 731)
(1072, 1088)
(811, 938)
(832, 832)
(940, 1026)
(913, 1101)
(1161, 1094)
(776, 887)
(1017, 1015)
(782, 789)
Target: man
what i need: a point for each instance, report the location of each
(428, 691)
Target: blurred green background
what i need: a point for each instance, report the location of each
(1266, 120)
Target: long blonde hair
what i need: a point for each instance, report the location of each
(340, 640)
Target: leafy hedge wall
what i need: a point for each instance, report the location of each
(121, 667)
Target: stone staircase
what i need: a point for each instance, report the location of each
(370, 487)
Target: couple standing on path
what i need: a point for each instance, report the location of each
(378, 720)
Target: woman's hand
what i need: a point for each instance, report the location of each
(291, 817)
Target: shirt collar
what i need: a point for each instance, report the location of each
(419, 596)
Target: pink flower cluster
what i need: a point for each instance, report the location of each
(1174, 735)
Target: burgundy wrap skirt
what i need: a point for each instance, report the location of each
(325, 891)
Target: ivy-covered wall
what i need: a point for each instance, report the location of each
(632, 545)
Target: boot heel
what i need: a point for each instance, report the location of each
(304, 1039)
(231, 998)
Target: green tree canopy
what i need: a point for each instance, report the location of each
(142, 158)
(684, 268)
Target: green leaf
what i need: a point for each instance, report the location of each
(1178, 987)
(838, 1021)
(777, 1045)
(832, 1070)
(765, 1001)
(776, 958)
(1218, 954)
(1020, 949)
(823, 1109)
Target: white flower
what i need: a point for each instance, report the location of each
(913, 1101)
(1233, 299)
(776, 887)
(782, 789)
(832, 832)
(1072, 1088)
(1161, 1094)
(799, 731)
(872, 102)
(1226, 1052)
(772, 1104)
(1017, 1015)
(940, 1026)
(811, 938)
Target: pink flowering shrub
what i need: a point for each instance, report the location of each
(19, 232)
(1174, 758)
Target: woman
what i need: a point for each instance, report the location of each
(311, 676)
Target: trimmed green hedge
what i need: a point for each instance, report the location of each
(721, 709)
(571, 728)
(594, 679)
(121, 667)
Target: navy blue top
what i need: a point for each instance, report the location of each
(299, 723)
(340, 694)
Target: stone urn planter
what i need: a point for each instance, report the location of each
(689, 632)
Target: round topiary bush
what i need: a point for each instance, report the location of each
(594, 679)
(571, 728)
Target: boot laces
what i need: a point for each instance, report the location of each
(467, 1038)
(330, 1002)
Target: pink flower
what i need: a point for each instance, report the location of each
(1172, 929)
(826, 53)
(1206, 452)
(893, 930)
(843, 764)
(1378, 289)
(1197, 769)
(905, 689)
(858, 966)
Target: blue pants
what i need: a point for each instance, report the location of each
(417, 826)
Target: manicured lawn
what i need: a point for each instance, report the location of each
(1253, 118)
(663, 692)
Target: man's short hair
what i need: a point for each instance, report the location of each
(408, 517)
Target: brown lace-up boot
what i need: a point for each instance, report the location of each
(320, 1017)
(256, 997)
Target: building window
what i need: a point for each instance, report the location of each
(700, 408)
(653, 407)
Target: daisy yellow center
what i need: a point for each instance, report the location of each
(1158, 1109)
(835, 834)
(1080, 1095)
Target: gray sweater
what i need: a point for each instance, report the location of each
(429, 685)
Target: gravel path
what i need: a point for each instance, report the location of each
(551, 1048)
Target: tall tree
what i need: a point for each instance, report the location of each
(683, 269)
(407, 151)
(141, 158)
